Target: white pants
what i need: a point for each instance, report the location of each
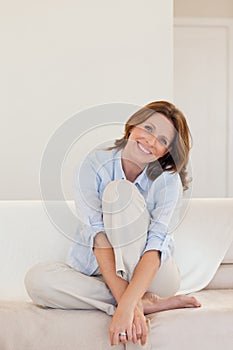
(126, 220)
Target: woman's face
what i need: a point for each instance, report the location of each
(149, 140)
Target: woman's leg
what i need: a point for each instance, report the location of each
(57, 285)
(161, 293)
(167, 280)
(126, 221)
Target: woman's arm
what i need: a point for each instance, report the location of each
(129, 313)
(141, 280)
(105, 257)
(129, 310)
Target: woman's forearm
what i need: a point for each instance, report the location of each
(128, 294)
(105, 257)
(143, 275)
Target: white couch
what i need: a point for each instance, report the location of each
(27, 236)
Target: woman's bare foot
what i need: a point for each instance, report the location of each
(153, 303)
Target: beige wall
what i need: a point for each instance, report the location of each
(60, 57)
(203, 8)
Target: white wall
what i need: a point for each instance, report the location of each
(203, 8)
(203, 82)
(203, 87)
(58, 57)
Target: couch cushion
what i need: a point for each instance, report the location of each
(27, 237)
(228, 259)
(207, 327)
(26, 326)
(223, 278)
(202, 241)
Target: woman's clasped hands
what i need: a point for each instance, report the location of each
(128, 324)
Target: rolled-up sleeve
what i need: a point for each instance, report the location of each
(88, 204)
(164, 205)
(87, 200)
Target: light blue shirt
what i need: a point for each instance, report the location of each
(163, 198)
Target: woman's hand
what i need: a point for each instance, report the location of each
(132, 322)
(122, 321)
(140, 329)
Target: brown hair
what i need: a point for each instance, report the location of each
(177, 157)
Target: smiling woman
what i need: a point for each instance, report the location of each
(127, 199)
(168, 125)
(147, 142)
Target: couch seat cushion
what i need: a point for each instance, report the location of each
(25, 326)
(207, 327)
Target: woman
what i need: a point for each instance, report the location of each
(127, 199)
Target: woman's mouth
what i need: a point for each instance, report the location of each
(144, 150)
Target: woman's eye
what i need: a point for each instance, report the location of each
(163, 141)
(148, 128)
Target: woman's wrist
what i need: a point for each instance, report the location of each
(127, 304)
(118, 288)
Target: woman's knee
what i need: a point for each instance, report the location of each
(122, 201)
(117, 190)
(36, 281)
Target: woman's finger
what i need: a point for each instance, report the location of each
(120, 337)
(129, 333)
(144, 332)
(116, 338)
(138, 320)
(123, 337)
(112, 338)
(134, 334)
(138, 328)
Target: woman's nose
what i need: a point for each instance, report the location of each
(152, 140)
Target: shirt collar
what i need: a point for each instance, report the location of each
(142, 180)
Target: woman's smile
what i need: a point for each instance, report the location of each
(143, 149)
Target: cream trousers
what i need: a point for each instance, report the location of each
(126, 220)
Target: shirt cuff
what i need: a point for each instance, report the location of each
(165, 246)
(96, 229)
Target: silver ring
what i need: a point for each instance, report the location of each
(124, 334)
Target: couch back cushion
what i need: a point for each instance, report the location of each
(228, 259)
(202, 240)
(27, 236)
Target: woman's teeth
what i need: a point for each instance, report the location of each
(143, 149)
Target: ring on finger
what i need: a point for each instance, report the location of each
(123, 334)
